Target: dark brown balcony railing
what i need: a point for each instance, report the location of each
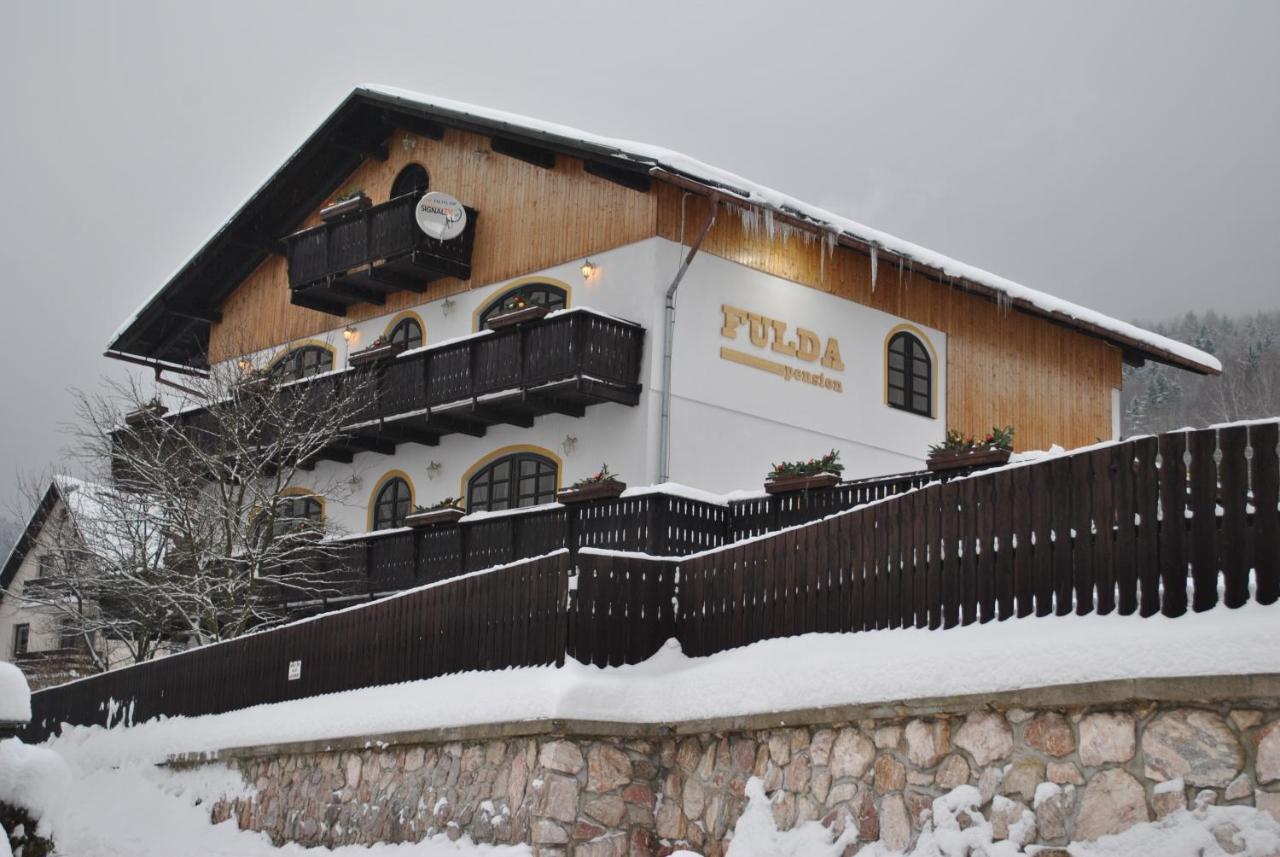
(359, 257)
(562, 363)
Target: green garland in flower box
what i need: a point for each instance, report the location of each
(999, 438)
(604, 484)
(829, 463)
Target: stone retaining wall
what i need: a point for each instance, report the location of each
(577, 790)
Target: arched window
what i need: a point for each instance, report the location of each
(520, 479)
(910, 374)
(542, 294)
(294, 513)
(411, 179)
(407, 332)
(392, 503)
(301, 510)
(303, 362)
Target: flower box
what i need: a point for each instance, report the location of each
(356, 203)
(605, 490)
(978, 456)
(434, 517)
(517, 316)
(144, 414)
(255, 384)
(375, 354)
(786, 484)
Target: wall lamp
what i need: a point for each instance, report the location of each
(588, 269)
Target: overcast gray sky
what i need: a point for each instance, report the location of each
(1119, 154)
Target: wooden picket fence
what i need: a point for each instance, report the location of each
(1154, 525)
(510, 616)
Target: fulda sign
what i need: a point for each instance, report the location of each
(440, 216)
(764, 332)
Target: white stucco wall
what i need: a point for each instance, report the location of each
(730, 422)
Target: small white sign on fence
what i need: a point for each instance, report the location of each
(295, 670)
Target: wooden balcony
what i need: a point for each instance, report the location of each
(362, 256)
(562, 363)
(559, 364)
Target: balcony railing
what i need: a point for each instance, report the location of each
(360, 257)
(376, 563)
(558, 364)
(657, 524)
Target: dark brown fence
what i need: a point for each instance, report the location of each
(1131, 527)
(656, 524)
(1153, 525)
(511, 616)
(774, 512)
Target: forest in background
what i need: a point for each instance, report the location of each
(1159, 398)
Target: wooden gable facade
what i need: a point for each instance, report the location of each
(545, 198)
(1005, 366)
(531, 217)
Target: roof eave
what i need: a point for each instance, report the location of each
(736, 196)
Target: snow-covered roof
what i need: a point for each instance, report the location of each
(662, 160)
(393, 104)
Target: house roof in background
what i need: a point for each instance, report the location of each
(173, 326)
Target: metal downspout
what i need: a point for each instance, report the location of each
(664, 429)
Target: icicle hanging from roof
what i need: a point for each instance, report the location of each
(875, 267)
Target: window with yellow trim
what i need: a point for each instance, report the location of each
(407, 333)
(303, 362)
(512, 481)
(910, 376)
(532, 294)
(392, 503)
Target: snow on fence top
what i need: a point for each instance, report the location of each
(664, 160)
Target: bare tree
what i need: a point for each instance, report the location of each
(202, 522)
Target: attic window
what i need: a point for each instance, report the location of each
(412, 179)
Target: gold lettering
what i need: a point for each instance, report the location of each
(831, 357)
(759, 336)
(780, 343)
(733, 319)
(809, 343)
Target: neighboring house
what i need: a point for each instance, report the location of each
(33, 636)
(796, 331)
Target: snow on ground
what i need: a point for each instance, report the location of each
(15, 696)
(958, 829)
(814, 670)
(138, 810)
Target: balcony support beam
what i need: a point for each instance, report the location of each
(530, 154)
(367, 148)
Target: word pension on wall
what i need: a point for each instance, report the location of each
(765, 332)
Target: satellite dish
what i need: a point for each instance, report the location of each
(440, 216)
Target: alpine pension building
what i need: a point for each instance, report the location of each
(675, 321)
